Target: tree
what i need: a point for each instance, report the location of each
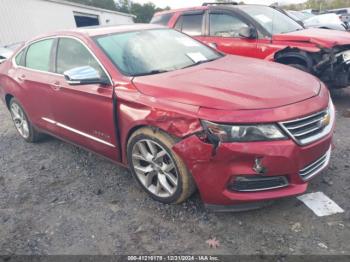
(321, 5)
(123, 6)
(143, 13)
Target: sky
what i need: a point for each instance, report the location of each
(188, 3)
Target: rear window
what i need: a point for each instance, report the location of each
(161, 19)
(39, 54)
(19, 58)
(190, 24)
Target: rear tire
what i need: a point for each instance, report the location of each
(157, 168)
(22, 123)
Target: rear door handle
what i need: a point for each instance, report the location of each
(21, 77)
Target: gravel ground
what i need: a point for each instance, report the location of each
(58, 199)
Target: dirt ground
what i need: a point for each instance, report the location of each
(58, 199)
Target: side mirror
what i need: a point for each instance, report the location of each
(247, 32)
(84, 75)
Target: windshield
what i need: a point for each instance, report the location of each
(271, 20)
(300, 15)
(324, 19)
(154, 51)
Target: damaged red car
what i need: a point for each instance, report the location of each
(181, 115)
(266, 33)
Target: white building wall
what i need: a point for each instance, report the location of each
(21, 20)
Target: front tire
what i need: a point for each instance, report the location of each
(157, 168)
(22, 123)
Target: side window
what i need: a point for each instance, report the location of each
(72, 54)
(19, 58)
(161, 19)
(225, 25)
(39, 54)
(190, 24)
(178, 25)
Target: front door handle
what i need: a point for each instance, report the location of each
(56, 85)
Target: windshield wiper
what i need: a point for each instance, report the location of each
(152, 72)
(201, 62)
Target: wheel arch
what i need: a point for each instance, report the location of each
(294, 56)
(137, 127)
(131, 131)
(8, 98)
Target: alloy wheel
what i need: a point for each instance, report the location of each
(20, 120)
(155, 168)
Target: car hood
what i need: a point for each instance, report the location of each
(5, 53)
(232, 83)
(328, 26)
(323, 37)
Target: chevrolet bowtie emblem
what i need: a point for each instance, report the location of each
(326, 120)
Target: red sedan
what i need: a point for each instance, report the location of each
(181, 115)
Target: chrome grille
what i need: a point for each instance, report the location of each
(315, 167)
(310, 128)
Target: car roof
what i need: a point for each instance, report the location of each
(181, 10)
(99, 30)
(96, 31)
(216, 6)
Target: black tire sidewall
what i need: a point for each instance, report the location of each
(300, 67)
(30, 138)
(168, 200)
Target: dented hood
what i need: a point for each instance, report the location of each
(232, 83)
(321, 37)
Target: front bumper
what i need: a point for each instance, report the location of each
(213, 173)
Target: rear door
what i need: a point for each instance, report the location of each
(83, 113)
(223, 32)
(34, 73)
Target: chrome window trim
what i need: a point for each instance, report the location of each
(31, 69)
(53, 122)
(53, 73)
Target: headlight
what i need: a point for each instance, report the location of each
(244, 133)
(346, 55)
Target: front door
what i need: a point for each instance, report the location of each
(223, 33)
(83, 114)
